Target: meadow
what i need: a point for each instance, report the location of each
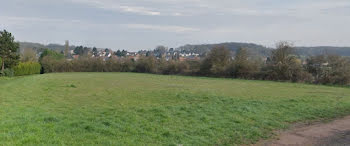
(146, 109)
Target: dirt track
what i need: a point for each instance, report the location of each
(333, 133)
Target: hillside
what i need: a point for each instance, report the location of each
(259, 50)
(38, 46)
(145, 109)
(310, 51)
(254, 49)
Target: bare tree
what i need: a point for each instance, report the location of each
(217, 61)
(29, 55)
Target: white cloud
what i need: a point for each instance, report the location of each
(218, 7)
(29, 19)
(313, 21)
(116, 6)
(164, 28)
(138, 10)
(20, 22)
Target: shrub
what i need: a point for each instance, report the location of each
(113, 65)
(243, 66)
(191, 67)
(285, 65)
(217, 62)
(175, 67)
(85, 64)
(330, 69)
(7, 73)
(52, 54)
(127, 65)
(28, 55)
(49, 64)
(146, 65)
(27, 68)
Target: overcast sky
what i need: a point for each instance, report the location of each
(144, 24)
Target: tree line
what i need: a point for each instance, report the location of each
(282, 64)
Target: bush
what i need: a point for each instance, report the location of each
(248, 70)
(7, 73)
(50, 64)
(217, 62)
(146, 65)
(175, 67)
(52, 54)
(27, 68)
(243, 66)
(330, 69)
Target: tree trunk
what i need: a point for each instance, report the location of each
(3, 65)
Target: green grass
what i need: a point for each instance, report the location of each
(145, 109)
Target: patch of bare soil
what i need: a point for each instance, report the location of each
(334, 133)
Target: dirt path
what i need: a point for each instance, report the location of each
(333, 133)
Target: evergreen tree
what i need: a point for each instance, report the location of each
(8, 50)
(94, 51)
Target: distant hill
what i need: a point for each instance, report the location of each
(38, 46)
(254, 49)
(259, 50)
(311, 51)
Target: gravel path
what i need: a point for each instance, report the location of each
(340, 139)
(334, 133)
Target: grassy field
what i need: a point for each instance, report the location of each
(144, 109)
